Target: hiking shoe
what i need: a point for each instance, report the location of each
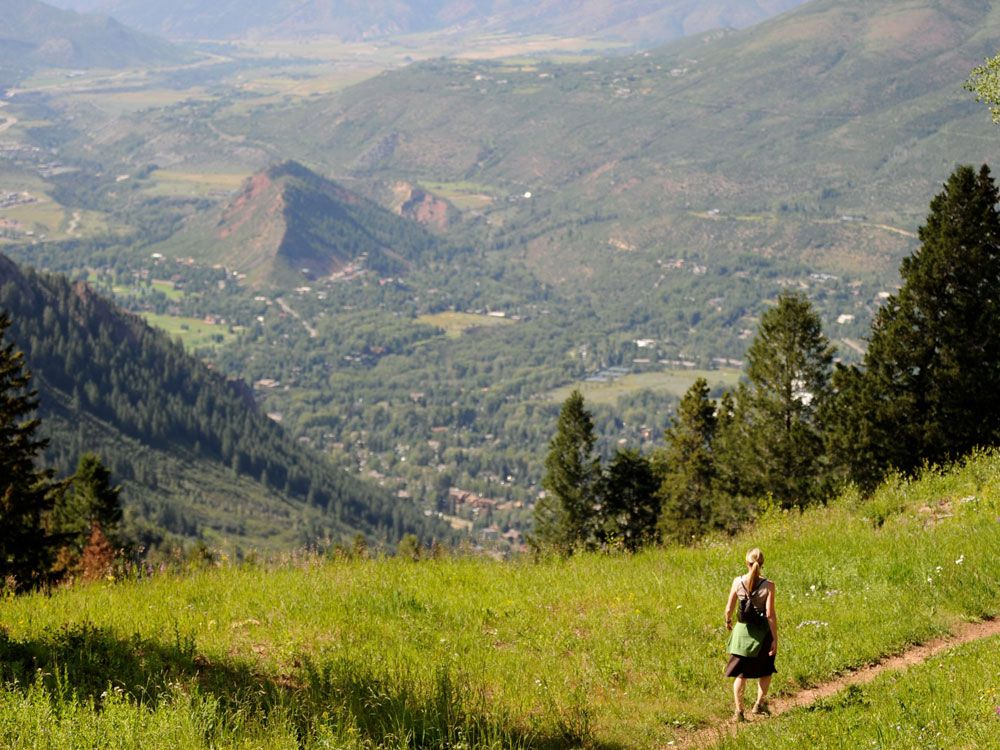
(760, 709)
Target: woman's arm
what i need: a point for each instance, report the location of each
(730, 606)
(772, 619)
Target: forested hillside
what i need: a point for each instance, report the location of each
(106, 378)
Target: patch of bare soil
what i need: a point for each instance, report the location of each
(710, 736)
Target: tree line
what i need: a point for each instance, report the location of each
(800, 426)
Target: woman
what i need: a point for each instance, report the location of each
(753, 642)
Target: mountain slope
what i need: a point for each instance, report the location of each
(108, 381)
(33, 34)
(752, 142)
(634, 20)
(288, 223)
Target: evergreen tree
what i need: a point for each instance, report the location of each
(629, 505)
(25, 491)
(88, 500)
(928, 388)
(567, 517)
(780, 448)
(686, 467)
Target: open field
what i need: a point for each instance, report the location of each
(129, 100)
(673, 382)
(47, 220)
(194, 333)
(455, 324)
(193, 184)
(465, 196)
(595, 651)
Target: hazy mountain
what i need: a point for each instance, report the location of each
(288, 223)
(757, 142)
(643, 21)
(33, 34)
(198, 458)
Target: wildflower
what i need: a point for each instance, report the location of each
(960, 560)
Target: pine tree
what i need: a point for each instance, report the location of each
(629, 505)
(928, 389)
(781, 449)
(89, 499)
(567, 517)
(25, 491)
(686, 467)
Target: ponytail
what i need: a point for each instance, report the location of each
(755, 559)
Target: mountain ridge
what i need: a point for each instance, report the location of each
(637, 21)
(35, 34)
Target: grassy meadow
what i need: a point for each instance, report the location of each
(194, 333)
(673, 382)
(455, 324)
(596, 651)
(943, 703)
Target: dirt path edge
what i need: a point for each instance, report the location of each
(964, 633)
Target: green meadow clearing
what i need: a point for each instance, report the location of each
(597, 651)
(455, 324)
(194, 333)
(673, 382)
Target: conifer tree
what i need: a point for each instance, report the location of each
(928, 391)
(25, 491)
(629, 505)
(89, 499)
(686, 467)
(781, 449)
(567, 517)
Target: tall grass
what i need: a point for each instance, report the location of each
(595, 651)
(951, 701)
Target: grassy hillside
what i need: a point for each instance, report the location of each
(34, 34)
(605, 652)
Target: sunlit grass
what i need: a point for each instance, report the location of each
(194, 333)
(455, 324)
(595, 650)
(953, 700)
(673, 382)
(173, 183)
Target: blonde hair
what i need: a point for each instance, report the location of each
(755, 559)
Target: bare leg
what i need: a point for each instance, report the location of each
(739, 685)
(763, 685)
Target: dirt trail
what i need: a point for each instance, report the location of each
(966, 633)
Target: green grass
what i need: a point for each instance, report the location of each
(456, 324)
(673, 382)
(595, 651)
(943, 703)
(165, 182)
(464, 195)
(193, 332)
